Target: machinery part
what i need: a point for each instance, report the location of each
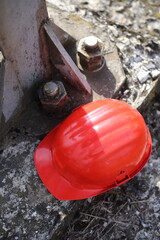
(67, 67)
(107, 82)
(53, 97)
(101, 145)
(90, 54)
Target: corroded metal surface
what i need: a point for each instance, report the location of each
(54, 103)
(104, 83)
(64, 63)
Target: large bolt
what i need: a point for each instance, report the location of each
(51, 89)
(90, 54)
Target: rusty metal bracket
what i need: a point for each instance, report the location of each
(62, 45)
(64, 63)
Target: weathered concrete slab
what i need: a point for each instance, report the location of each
(147, 95)
(28, 210)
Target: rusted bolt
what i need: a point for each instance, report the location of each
(53, 97)
(51, 89)
(90, 54)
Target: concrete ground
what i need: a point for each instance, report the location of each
(28, 210)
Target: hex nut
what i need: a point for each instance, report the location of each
(90, 54)
(57, 98)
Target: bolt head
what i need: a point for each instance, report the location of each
(51, 89)
(90, 43)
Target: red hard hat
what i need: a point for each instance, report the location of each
(99, 146)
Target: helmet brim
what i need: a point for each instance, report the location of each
(56, 184)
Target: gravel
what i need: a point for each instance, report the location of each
(131, 211)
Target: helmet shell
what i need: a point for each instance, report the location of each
(100, 145)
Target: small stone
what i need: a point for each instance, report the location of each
(49, 209)
(34, 214)
(120, 8)
(155, 74)
(150, 66)
(120, 46)
(153, 26)
(158, 184)
(157, 62)
(158, 112)
(126, 93)
(89, 200)
(62, 215)
(124, 40)
(138, 59)
(143, 76)
(144, 225)
(114, 31)
(105, 224)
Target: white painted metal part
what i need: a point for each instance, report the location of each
(19, 41)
